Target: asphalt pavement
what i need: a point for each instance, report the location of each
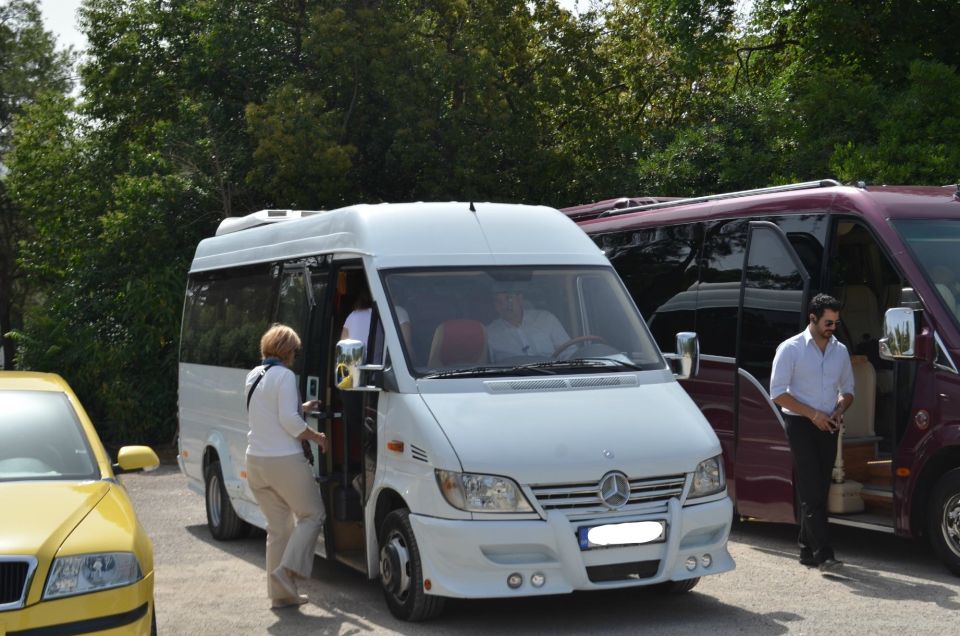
(890, 585)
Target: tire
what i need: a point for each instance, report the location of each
(943, 520)
(401, 573)
(153, 621)
(678, 587)
(222, 519)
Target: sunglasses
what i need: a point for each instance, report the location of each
(830, 323)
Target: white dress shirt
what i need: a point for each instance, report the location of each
(815, 378)
(274, 415)
(539, 334)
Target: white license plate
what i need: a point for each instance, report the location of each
(620, 534)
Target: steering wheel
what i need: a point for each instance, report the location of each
(577, 341)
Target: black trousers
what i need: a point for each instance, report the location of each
(814, 452)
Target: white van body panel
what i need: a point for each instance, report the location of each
(411, 234)
(576, 435)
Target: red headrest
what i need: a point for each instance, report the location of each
(461, 342)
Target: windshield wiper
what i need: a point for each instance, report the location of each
(478, 371)
(582, 362)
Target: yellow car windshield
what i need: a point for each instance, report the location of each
(41, 438)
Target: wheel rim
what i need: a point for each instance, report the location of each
(395, 567)
(950, 525)
(214, 502)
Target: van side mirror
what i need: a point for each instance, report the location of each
(685, 363)
(349, 372)
(899, 341)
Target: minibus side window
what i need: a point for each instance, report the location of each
(773, 297)
(225, 314)
(659, 268)
(293, 303)
(718, 294)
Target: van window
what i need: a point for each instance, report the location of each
(724, 245)
(935, 245)
(659, 268)
(495, 320)
(773, 298)
(225, 314)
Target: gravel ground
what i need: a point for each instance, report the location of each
(890, 586)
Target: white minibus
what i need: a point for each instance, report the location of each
(507, 427)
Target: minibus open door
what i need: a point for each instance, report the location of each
(773, 294)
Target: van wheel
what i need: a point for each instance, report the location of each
(401, 574)
(943, 520)
(222, 519)
(677, 587)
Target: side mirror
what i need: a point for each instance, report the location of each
(133, 458)
(349, 372)
(899, 341)
(685, 363)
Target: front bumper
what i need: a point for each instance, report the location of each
(472, 559)
(120, 611)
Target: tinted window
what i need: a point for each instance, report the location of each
(935, 245)
(718, 294)
(659, 268)
(41, 438)
(772, 301)
(226, 313)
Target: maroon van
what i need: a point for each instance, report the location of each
(739, 269)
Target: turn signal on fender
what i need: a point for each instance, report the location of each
(395, 445)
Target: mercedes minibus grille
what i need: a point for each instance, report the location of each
(648, 494)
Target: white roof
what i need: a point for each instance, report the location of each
(410, 235)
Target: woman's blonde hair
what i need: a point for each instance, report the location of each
(280, 341)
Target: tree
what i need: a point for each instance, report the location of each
(30, 65)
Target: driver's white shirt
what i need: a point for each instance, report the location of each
(539, 334)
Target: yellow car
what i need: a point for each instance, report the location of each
(74, 559)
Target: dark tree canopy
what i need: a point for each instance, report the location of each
(190, 111)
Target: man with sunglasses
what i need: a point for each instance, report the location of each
(812, 381)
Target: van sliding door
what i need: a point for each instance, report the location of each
(772, 297)
(303, 302)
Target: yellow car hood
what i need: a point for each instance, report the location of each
(38, 516)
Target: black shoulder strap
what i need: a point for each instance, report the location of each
(257, 381)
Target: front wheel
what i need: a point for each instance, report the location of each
(401, 574)
(222, 519)
(943, 520)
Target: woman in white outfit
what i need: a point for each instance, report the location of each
(277, 471)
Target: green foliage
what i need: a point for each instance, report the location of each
(195, 110)
(30, 66)
(917, 136)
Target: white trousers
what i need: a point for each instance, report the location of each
(288, 495)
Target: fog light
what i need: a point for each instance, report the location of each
(706, 560)
(515, 580)
(537, 579)
(691, 563)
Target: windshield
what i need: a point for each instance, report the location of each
(526, 320)
(41, 438)
(935, 245)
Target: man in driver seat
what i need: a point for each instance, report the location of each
(521, 331)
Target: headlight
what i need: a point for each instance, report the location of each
(91, 573)
(708, 478)
(481, 493)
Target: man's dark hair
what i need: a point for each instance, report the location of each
(822, 302)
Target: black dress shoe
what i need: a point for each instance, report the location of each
(807, 558)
